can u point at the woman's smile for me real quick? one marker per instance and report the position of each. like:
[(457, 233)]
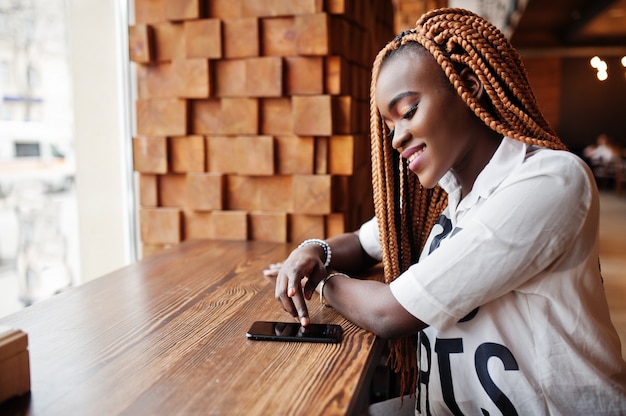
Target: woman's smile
[(413, 154)]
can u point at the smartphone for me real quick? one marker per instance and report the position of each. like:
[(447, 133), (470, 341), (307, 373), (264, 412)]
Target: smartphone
[(293, 331)]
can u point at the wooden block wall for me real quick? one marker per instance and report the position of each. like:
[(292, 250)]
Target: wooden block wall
[(252, 117)]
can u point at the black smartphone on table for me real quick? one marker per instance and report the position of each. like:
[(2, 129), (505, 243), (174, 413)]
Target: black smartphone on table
[(294, 332)]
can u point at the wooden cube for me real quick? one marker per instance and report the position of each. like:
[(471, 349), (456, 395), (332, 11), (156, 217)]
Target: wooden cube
[(362, 151), (172, 191), (149, 11), (148, 191), (150, 154), (305, 75), (230, 78), (255, 155), (169, 40), (241, 38), (197, 225), (193, 78), (278, 36), (242, 192), (259, 193), (224, 9), (335, 225), (321, 155), (140, 75), (160, 225), (337, 75), (141, 43), (264, 77), (160, 81), (162, 117), (203, 38), (295, 155), (303, 227), (344, 115), (14, 363), (182, 9), (341, 155), (268, 226), (312, 34), (312, 115), (275, 193), (187, 154), (206, 116), (205, 191), (244, 155), (229, 225), (280, 7), (240, 116), (336, 6), (312, 194), (276, 116), (221, 154)]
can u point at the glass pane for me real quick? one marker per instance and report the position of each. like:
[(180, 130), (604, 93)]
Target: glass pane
[(38, 215)]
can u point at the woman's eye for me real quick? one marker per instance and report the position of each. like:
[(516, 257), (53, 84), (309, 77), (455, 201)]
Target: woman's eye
[(410, 112)]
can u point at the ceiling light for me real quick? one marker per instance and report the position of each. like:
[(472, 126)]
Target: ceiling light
[(602, 66), (595, 61), (624, 61), (602, 75)]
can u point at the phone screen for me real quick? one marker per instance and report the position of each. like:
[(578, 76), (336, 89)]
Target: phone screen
[(293, 331)]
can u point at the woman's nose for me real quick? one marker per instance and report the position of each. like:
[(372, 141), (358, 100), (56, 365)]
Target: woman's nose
[(400, 135)]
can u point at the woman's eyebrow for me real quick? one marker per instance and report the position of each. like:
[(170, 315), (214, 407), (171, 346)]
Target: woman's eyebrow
[(397, 98)]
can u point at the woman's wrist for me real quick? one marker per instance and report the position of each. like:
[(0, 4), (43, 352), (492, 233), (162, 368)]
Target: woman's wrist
[(323, 283), (327, 251)]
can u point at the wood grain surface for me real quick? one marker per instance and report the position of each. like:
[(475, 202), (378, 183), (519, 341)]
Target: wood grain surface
[(167, 335)]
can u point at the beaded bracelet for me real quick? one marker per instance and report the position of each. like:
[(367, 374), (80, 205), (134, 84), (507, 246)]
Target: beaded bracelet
[(330, 276), (323, 244)]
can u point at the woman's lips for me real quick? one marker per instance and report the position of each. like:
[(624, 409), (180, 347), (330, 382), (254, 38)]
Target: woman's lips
[(413, 154)]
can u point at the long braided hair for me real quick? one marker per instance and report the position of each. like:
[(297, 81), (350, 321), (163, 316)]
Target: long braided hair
[(405, 210)]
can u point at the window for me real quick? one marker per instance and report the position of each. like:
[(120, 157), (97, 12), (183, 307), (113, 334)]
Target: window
[(27, 149)]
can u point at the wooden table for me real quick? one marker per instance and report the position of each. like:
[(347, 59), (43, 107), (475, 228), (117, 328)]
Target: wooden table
[(167, 335)]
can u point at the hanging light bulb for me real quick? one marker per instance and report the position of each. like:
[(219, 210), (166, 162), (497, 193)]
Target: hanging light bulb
[(602, 75), (624, 61), (602, 66)]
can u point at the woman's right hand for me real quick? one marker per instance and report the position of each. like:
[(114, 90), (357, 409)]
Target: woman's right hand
[(296, 280)]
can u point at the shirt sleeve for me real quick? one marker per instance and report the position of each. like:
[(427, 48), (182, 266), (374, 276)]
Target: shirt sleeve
[(370, 239), (515, 234)]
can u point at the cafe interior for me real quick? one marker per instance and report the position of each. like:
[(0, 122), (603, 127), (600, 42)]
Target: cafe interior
[(230, 171)]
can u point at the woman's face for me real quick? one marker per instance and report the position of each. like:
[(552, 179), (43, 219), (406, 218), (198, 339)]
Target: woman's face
[(430, 125)]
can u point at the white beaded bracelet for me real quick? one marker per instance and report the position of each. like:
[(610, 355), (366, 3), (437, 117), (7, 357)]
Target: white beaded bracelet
[(321, 243)]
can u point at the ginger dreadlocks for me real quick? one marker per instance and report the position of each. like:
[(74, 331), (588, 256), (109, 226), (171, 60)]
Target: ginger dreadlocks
[(405, 210)]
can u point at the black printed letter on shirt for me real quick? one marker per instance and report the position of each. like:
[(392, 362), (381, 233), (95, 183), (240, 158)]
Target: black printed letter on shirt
[(446, 224), (443, 348), (483, 353)]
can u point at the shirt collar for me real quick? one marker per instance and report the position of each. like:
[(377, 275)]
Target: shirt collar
[(509, 154)]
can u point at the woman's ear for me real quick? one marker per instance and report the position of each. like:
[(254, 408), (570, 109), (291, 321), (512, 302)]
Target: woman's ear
[(472, 83)]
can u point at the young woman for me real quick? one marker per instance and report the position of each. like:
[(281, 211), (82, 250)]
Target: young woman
[(488, 232)]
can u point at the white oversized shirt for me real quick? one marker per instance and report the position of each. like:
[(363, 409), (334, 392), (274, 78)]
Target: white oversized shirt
[(513, 296)]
